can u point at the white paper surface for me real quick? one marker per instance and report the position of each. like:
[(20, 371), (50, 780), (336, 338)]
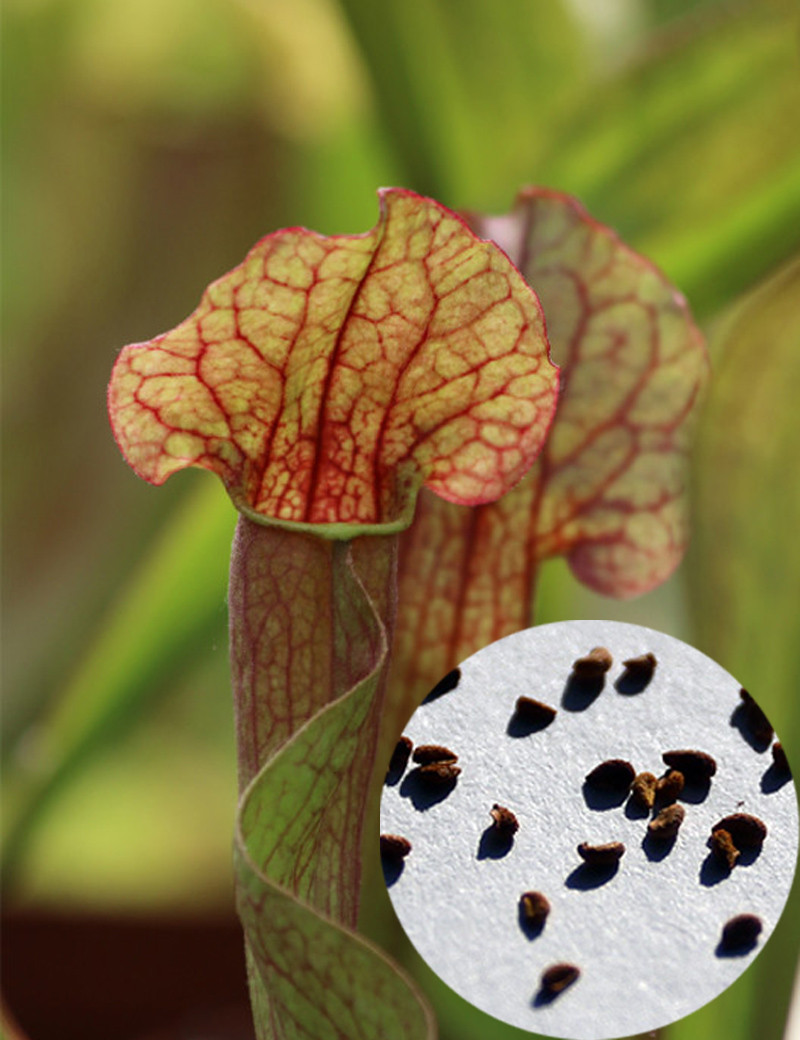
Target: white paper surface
[(646, 938)]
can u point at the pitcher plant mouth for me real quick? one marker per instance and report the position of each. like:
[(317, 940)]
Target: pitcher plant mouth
[(354, 394)]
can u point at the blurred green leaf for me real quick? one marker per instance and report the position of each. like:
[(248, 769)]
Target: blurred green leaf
[(170, 610), (745, 574)]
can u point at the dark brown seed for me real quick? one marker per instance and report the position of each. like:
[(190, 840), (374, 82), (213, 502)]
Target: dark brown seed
[(746, 831), (558, 977), (640, 668), (615, 775), (669, 787), (779, 757), (400, 756), (594, 664), (696, 766), (601, 855), (757, 722), (723, 848), (439, 774), (666, 825), (535, 908), (505, 822), (535, 712), (445, 685), (741, 931), (427, 753), (394, 847), (643, 790)]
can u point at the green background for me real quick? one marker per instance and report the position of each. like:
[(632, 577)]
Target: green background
[(147, 146)]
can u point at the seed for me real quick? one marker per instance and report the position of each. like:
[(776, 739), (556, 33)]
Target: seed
[(601, 855), (505, 822), (535, 908), (643, 790), (444, 685), (696, 766), (535, 712), (741, 931), (779, 757), (594, 664), (640, 668), (427, 753), (616, 775), (400, 756), (558, 977), (757, 722), (394, 847), (667, 824), (669, 787), (747, 832), (439, 774), (723, 848)]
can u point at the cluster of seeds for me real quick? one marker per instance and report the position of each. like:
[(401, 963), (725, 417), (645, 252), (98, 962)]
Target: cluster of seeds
[(647, 792)]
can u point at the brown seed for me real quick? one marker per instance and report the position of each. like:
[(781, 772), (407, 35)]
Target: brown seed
[(666, 825), (601, 855), (669, 787), (439, 774), (757, 722), (723, 848), (394, 847), (643, 790), (696, 766), (741, 931), (535, 712), (427, 753), (445, 685), (779, 757), (640, 668), (505, 822), (535, 908), (400, 756), (558, 977), (746, 831), (614, 775), (594, 664)]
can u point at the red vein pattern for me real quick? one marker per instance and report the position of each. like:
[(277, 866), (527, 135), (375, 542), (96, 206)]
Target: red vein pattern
[(608, 489), (325, 379)]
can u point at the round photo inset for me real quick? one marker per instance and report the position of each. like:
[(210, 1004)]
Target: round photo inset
[(588, 830)]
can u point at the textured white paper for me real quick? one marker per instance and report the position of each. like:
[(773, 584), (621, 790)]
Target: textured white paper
[(646, 938)]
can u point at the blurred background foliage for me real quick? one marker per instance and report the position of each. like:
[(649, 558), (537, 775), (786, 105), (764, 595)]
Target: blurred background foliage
[(147, 146)]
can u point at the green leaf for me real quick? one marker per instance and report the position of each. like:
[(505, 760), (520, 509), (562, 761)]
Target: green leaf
[(745, 572)]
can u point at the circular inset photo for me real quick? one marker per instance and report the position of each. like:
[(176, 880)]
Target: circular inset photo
[(589, 829)]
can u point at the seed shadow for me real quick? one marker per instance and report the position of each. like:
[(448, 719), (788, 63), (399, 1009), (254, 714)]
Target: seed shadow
[(602, 798), (630, 684), (579, 694), (392, 869), (736, 951), (423, 793), (741, 719), (774, 778), (494, 844), (695, 791), (444, 685), (520, 727), (530, 929), (586, 877), (634, 811), (545, 997), (713, 871), (657, 849)]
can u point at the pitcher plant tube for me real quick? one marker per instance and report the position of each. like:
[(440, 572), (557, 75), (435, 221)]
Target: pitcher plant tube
[(355, 394)]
